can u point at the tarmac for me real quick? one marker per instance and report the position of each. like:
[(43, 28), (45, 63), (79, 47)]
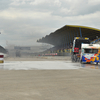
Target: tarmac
[(66, 84)]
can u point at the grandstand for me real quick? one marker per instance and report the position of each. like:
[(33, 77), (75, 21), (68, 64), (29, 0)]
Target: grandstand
[(3, 50), (62, 38)]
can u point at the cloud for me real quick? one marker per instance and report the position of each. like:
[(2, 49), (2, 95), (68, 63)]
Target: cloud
[(94, 2), (19, 2), (30, 20), (13, 13), (49, 2), (4, 4), (22, 31), (61, 8), (76, 8)]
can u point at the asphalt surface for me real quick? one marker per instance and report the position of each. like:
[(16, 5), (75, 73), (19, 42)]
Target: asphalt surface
[(64, 84)]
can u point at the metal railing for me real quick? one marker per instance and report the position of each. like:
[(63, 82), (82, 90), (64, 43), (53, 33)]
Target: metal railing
[(96, 40)]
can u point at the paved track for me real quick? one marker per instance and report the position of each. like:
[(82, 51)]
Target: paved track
[(70, 84)]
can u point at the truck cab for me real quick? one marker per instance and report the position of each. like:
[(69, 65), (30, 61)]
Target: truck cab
[(76, 49), (90, 53)]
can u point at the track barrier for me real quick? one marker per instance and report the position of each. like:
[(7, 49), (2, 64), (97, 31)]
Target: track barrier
[(1, 58)]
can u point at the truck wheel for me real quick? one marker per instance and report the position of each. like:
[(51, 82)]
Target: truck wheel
[(81, 61), (78, 59), (75, 59), (72, 58), (96, 63)]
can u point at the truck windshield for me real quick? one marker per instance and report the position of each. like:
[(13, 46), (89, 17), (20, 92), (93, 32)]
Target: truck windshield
[(90, 50), (78, 43)]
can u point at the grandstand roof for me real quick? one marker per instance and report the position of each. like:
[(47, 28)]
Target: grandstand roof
[(3, 50), (67, 33)]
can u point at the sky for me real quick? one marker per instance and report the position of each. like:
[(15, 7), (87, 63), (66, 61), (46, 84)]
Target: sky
[(23, 22)]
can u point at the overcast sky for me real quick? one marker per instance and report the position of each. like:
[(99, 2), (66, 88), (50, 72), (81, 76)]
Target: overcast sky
[(25, 21)]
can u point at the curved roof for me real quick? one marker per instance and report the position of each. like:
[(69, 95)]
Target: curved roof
[(67, 33), (77, 26)]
